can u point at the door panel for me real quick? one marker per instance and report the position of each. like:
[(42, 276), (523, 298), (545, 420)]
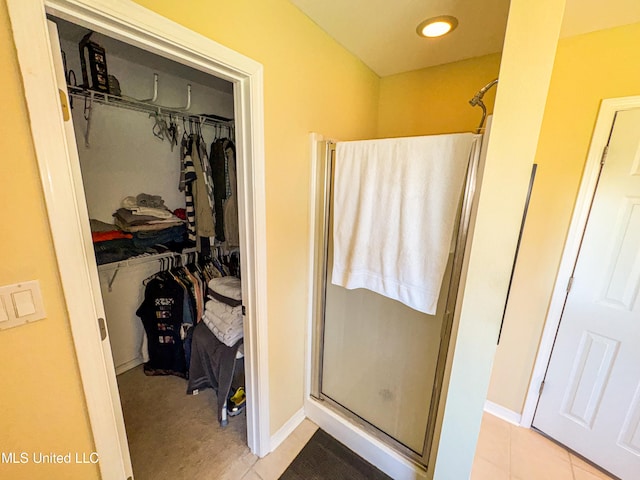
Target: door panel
[(588, 378), (591, 396)]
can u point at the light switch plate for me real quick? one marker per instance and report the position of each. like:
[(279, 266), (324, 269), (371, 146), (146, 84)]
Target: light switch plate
[(21, 303)]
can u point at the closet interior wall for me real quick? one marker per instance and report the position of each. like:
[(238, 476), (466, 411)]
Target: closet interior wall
[(124, 158)]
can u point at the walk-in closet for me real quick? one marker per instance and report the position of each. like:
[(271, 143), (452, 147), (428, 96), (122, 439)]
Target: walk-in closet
[(156, 146)]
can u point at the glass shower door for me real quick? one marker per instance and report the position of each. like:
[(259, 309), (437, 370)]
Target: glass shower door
[(379, 362)]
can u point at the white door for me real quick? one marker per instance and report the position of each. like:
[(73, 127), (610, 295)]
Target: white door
[(74, 163), (591, 396)]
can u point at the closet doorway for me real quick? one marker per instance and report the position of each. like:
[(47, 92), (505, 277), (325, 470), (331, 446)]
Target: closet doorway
[(69, 219)]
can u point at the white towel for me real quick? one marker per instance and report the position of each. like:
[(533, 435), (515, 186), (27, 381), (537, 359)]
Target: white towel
[(224, 315), (229, 339), (224, 321), (394, 209)]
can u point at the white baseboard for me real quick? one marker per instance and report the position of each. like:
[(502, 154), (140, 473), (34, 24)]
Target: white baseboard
[(128, 365), (365, 445), (502, 413), (286, 430)]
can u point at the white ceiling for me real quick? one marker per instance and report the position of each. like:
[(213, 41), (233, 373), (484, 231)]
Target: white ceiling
[(382, 33)]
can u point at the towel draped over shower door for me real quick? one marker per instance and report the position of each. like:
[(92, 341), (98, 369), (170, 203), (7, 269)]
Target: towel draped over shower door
[(395, 205)]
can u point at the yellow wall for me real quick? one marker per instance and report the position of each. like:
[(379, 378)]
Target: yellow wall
[(43, 408), (588, 68), (436, 99)]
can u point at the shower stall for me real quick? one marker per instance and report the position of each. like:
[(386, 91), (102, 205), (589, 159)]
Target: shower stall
[(377, 363)]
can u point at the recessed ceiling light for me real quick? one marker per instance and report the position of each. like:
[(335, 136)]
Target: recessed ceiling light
[(437, 26)]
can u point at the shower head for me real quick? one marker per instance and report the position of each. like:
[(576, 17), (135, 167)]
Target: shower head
[(477, 98), (477, 101)]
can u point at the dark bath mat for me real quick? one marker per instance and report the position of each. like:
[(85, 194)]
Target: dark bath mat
[(324, 458)]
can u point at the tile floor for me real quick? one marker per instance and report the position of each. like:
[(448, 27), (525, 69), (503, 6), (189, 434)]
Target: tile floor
[(504, 452), (508, 452), (250, 467)]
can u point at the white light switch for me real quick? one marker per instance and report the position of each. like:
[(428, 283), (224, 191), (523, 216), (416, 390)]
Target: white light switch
[(23, 303), (20, 303)]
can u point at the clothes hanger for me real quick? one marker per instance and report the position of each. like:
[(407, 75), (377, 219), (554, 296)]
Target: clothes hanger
[(159, 129), (172, 132)]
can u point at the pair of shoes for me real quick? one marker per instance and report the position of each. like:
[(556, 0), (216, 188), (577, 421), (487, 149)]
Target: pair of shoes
[(237, 402)]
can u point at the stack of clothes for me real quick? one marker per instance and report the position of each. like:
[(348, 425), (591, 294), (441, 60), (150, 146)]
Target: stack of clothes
[(112, 244), (143, 225), (151, 222), (223, 310)]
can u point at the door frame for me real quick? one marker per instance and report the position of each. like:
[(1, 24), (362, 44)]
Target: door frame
[(600, 138), (68, 217)]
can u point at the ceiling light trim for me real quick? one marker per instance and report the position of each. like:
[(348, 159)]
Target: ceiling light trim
[(441, 19)]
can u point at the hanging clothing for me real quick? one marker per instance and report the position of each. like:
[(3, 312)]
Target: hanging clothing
[(205, 222), (218, 170), (161, 313), (206, 168), (188, 177), (395, 203), (231, 228)]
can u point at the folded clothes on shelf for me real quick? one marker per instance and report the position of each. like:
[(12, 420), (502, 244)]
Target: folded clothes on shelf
[(223, 310)]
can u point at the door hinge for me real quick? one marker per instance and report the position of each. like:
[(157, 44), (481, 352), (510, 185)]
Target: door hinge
[(64, 105), (541, 388), (244, 310), (103, 328), (605, 152), (569, 284)]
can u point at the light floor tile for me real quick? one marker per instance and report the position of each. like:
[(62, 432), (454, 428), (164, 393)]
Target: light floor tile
[(274, 464), (240, 467), (580, 474), (494, 442), (251, 475), (531, 456), (529, 441), (305, 430), (485, 470), (578, 463), (538, 464)]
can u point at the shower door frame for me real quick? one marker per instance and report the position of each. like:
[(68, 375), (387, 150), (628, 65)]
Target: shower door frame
[(323, 188)]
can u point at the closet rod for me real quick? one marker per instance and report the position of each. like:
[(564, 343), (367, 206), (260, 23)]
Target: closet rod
[(129, 103), (139, 260)]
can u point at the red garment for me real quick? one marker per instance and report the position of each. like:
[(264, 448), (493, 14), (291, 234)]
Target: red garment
[(181, 213), (110, 235)]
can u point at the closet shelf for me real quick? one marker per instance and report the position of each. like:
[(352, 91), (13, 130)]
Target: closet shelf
[(144, 259), (130, 103)]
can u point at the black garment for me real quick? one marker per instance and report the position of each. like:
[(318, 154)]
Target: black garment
[(161, 314), (117, 250), (217, 160), (213, 365)]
